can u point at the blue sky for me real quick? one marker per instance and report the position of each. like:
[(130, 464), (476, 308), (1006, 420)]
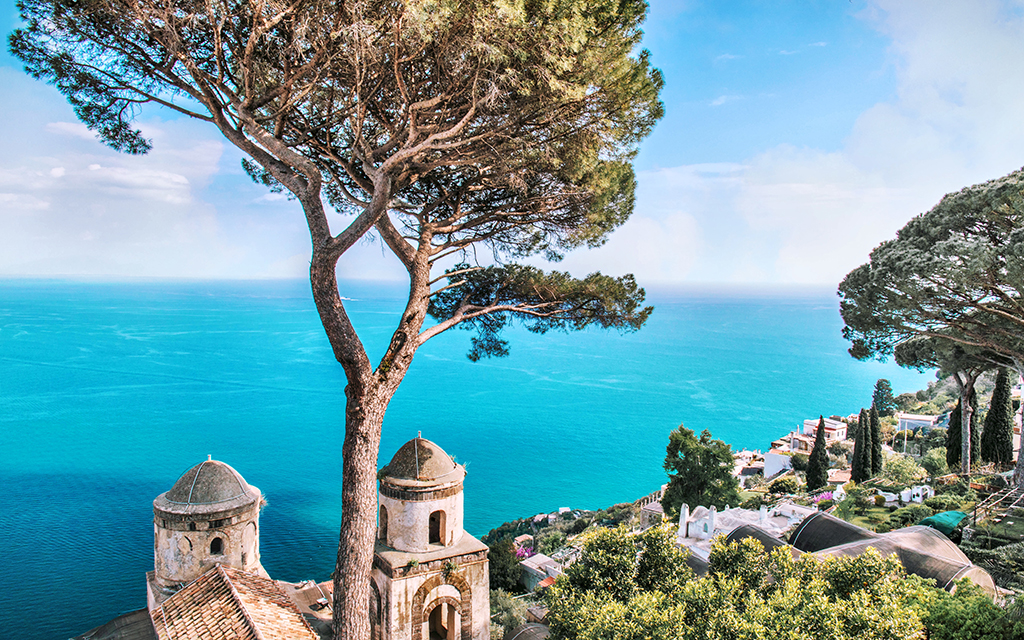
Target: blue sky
[(797, 136)]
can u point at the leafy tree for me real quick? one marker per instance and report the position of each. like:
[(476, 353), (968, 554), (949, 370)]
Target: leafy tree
[(876, 442), (955, 273), (965, 614), (954, 437), (934, 462), (817, 464), (749, 593), (661, 564), (861, 467), (997, 436), (699, 472), (505, 569), (902, 470), (964, 365), (784, 485), (799, 461), (507, 613), (882, 398), (442, 127)]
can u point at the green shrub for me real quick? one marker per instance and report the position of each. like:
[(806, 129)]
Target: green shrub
[(909, 515), (946, 502), (879, 501), (799, 461), (786, 484)]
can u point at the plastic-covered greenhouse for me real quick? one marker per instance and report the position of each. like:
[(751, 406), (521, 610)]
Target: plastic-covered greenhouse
[(921, 550)]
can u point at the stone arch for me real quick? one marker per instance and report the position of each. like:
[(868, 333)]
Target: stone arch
[(376, 612), (464, 605), (432, 606), (217, 546)]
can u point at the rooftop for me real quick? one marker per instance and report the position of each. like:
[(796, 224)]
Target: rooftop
[(209, 487), (420, 461), (229, 604)]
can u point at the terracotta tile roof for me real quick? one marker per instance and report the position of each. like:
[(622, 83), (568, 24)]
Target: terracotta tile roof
[(229, 604), (545, 583)]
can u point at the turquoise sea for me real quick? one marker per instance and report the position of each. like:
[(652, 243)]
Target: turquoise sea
[(109, 391)]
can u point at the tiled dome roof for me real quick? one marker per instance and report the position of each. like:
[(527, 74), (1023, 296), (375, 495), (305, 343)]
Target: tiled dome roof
[(421, 460), (209, 487)]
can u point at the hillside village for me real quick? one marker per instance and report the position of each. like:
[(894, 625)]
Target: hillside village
[(921, 517)]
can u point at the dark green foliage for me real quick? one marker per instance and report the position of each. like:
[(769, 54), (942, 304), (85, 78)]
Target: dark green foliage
[(945, 502), (507, 530), (954, 443), (785, 485), (965, 614), (882, 398), (540, 300), (817, 464), (799, 461), (699, 472), (1005, 564), (506, 612), (861, 466), (997, 436), (876, 442), (505, 569), (955, 271), (908, 516)]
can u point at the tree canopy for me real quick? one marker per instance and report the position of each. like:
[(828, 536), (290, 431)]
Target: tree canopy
[(699, 472), (860, 467), (882, 398), (439, 126), (955, 272)]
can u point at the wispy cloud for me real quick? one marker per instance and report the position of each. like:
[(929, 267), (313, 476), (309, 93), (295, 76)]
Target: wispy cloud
[(818, 44), (783, 52), (720, 100), (727, 56)]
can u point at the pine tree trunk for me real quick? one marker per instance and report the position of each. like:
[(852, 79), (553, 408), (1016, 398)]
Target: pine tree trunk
[(363, 419)]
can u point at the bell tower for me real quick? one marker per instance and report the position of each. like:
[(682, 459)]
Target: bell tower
[(210, 516), (430, 577)]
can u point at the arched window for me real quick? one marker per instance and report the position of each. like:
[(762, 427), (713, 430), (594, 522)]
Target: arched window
[(217, 546), (383, 523), (437, 528)]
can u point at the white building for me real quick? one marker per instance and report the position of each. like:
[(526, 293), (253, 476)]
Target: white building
[(430, 577)]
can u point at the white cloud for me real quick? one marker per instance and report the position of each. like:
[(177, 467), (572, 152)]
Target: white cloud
[(818, 44), (808, 215), (75, 129), (784, 52), (727, 56)]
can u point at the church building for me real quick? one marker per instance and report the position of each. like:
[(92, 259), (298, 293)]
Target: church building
[(429, 579)]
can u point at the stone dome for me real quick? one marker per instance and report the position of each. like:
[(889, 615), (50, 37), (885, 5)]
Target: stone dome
[(421, 462), (211, 487)]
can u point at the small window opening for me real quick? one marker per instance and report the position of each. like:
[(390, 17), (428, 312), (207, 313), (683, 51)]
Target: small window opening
[(436, 527), (217, 546), (383, 525), (191, 526)]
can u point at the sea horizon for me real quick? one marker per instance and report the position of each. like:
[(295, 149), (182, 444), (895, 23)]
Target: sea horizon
[(112, 389)]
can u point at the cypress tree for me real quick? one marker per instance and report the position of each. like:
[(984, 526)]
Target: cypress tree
[(861, 467), (876, 442), (954, 435), (997, 437), (953, 439), (817, 464)]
